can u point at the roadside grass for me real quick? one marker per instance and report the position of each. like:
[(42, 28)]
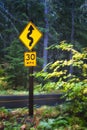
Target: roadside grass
[(13, 92), (45, 118)]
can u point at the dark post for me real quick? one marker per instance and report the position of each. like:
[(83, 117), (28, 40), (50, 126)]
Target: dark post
[(31, 91)]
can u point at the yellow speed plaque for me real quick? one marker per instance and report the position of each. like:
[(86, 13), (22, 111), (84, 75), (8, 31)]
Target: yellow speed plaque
[(30, 59)]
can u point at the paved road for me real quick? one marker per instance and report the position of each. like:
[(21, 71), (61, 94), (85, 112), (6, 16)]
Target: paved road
[(22, 101)]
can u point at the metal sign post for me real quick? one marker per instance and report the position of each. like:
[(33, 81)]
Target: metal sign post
[(30, 36), (31, 99)]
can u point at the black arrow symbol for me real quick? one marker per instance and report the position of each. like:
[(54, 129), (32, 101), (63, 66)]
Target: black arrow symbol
[(28, 35)]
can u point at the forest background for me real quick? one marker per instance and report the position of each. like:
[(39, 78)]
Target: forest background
[(58, 20), (61, 61)]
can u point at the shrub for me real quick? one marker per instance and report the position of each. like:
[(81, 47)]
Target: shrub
[(73, 85)]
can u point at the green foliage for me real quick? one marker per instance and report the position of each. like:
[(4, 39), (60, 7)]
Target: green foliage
[(15, 70), (2, 71), (53, 124), (3, 83), (74, 86), (45, 118)]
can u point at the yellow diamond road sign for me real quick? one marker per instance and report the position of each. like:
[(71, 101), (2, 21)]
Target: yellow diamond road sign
[(30, 36), (30, 59)]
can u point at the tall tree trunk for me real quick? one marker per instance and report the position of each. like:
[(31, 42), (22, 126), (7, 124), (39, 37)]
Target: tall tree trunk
[(46, 34), (72, 31)]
